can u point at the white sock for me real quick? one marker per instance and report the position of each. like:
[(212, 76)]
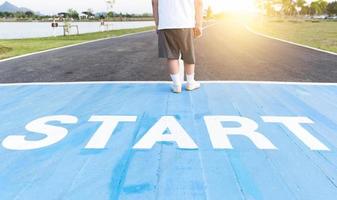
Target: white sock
[(176, 79), (190, 78)]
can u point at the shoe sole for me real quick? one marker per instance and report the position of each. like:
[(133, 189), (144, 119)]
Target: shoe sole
[(189, 89), (176, 92)]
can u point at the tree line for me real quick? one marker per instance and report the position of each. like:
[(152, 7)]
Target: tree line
[(297, 7), (71, 13), (28, 14)]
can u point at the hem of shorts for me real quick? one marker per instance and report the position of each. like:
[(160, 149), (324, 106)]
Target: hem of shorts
[(174, 27), (171, 58), (174, 58)]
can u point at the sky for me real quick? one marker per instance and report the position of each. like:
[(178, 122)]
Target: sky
[(130, 6), (55, 6)]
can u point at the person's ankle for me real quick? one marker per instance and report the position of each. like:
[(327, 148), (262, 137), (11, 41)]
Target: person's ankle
[(190, 78), (176, 79)]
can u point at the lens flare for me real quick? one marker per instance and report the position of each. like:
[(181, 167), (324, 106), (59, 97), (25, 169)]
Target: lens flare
[(232, 5)]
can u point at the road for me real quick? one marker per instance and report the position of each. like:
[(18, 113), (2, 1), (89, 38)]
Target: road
[(226, 52)]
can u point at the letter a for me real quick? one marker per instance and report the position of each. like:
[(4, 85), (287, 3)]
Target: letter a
[(157, 134)]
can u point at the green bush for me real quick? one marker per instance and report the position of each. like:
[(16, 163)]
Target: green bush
[(4, 49)]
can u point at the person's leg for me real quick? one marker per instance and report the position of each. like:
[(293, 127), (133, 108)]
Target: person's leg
[(191, 83), (189, 68), (187, 46), (169, 49), (173, 65)]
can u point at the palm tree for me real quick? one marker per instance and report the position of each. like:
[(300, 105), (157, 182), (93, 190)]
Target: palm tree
[(73, 13), (288, 7), (300, 5), (318, 7), (270, 11), (260, 4), (209, 12), (323, 5), (332, 8), (267, 6)]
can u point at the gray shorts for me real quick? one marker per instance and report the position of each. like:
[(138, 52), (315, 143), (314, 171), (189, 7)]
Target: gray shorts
[(173, 42)]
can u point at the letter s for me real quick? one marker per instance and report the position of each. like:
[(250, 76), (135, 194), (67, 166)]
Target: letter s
[(53, 133)]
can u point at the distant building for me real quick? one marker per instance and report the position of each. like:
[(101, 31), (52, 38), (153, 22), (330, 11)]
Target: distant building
[(83, 16)]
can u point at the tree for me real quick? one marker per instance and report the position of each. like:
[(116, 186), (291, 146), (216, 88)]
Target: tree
[(323, 5), (148, 15), (29, 14), (332, 8), (111, 14), (20, 15), (110, 4), (8, 15), (73, 14), (318, 7), (260, 4), (305, 10), (300, 4), (209, 12), (63, 14), (288, 7), (267, 6), (89, 13)]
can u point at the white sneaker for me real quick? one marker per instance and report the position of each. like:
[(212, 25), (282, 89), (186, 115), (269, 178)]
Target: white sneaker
[(176, 88), (192, 86)]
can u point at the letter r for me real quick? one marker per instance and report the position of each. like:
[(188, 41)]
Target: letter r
[(219, 134)]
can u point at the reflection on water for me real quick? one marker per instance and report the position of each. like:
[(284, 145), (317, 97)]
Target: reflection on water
[(14, 30)]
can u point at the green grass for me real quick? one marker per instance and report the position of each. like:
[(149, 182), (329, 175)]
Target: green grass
[(318, 34), (16, 47)]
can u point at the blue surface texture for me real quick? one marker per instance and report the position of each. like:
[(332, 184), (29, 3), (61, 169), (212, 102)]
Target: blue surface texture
[(68, 170)]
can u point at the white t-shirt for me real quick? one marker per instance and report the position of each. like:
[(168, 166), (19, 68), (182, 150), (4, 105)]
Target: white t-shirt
[(175, 14)]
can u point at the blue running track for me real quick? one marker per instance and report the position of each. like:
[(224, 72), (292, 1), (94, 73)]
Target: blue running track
[(69, 170)]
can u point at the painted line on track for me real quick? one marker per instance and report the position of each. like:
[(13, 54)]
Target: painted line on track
[(165, 82), (288, 42)]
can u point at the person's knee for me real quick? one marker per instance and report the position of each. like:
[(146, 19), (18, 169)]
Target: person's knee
[(172, 61)]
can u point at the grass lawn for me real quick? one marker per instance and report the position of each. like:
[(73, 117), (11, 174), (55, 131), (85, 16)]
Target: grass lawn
[(319, 34), (16, 47)]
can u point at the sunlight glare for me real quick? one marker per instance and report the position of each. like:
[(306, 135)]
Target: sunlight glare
[(232, 5)]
